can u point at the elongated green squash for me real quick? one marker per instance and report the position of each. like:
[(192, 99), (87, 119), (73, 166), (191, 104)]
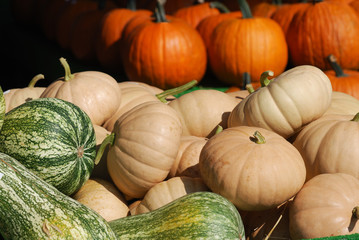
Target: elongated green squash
[(199, 215), (2, 108), (52, 137), (31, 209)]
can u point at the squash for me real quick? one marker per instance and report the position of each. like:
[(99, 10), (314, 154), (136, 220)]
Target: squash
[(200, 215), (53, 138), (343, 103), (201, 111), (256, 169), (167, 191), (325, 206), (286, 103), (30, 208), (143, 146), (17, 96), (318, 144), (97, 93), (2, 108), (103, 197)]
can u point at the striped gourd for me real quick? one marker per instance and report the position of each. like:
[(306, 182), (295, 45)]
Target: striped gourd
[(199, 215), (52, 137), (30, 209), (2, 108)]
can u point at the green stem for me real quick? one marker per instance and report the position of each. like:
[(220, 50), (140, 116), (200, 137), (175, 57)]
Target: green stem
[(356, 118), (109, 139), (264, 78), (218, 129), (160, 12), (245, 9), (68, 76), (220, 6), (131, 5), (336, 67), (35, 79), (173, 91), (355, 212), (258, 138)]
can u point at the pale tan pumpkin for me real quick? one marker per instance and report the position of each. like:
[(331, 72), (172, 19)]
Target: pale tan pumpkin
[(17, 96), (201, 111), (324, 207), (96, 93), (330, 144), (146, 142), (254, 171), (104, 198), (187, 160), (288, 102), (167, 191), (343, 103)]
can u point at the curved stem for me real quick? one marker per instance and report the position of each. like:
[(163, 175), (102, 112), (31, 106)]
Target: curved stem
[(218, 129), (258, 138), (355, 212), (356, 118), (109, 139), (160, 12), (245, 9), (173, 91), (220, 6), (264, 78), (336, 67), (35, 79), (68, 76)]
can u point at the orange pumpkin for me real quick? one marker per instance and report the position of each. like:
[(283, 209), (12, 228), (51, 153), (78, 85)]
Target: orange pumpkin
[(248, 44), (164, 53), (266, 9)]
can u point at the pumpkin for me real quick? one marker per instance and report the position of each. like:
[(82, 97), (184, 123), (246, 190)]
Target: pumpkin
[(343, 103), (318, 144), (145, 141), (174, 65), (293, 99), (255, 168), (103, 197), (169, 190), (201, 111), (325, 206), (17, 96), (199, 11), (110, 32), (335, 25), (343, 80), (355, 5), (187, 160), (266, 9), (95, 92), (248, 44)]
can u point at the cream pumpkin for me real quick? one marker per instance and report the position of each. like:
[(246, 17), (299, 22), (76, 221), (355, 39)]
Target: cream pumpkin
[(343, 103)]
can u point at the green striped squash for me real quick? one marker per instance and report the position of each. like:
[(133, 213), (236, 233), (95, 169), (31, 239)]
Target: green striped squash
[(2, 108), (199, 215), (52, 137), (30, 209)]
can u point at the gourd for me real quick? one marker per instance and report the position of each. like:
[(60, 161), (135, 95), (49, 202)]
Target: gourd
[(97, 93), (256, 169), (103, 197), (30, 208), (325, 206), (199, 215), (286, 103), (343, 103), (53, 138)]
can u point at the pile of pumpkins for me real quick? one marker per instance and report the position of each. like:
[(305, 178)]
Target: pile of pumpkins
[(197, 37), (285, 154)]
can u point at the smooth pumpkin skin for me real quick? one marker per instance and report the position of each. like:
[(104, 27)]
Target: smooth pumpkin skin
[(103, 197), (318, 144), (169, 190), (293, 99), (343, 103), (323, 207), (201, 111), (252, 176), (97, 93), (146, 143)]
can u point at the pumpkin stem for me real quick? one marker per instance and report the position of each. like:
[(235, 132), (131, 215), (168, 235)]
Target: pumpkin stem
[(68, 76), (160, 12), (356, 118), (173, 91), (245, 9), (336, 67), (264, 78), (247, 83), (277, 2), (131, 5), (35, 79), (355, 212), (109, 139), (218, 129), (258, 138), (220, 6)]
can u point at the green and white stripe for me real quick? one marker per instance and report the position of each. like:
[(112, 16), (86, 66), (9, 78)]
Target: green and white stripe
[(30, 208), (52, 137), (2, 108), (199, 215)]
